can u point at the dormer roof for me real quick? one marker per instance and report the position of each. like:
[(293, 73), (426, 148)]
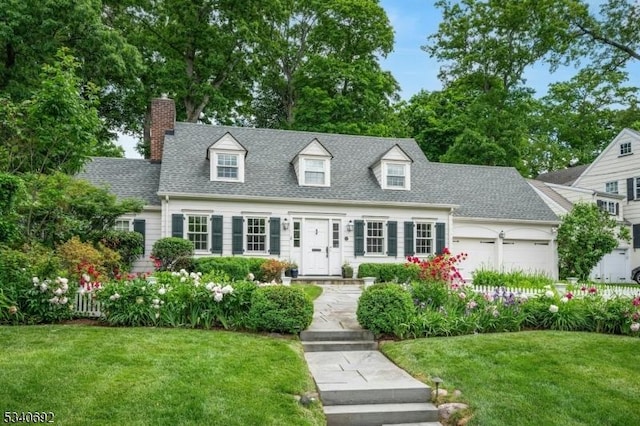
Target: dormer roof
[(226, 142)]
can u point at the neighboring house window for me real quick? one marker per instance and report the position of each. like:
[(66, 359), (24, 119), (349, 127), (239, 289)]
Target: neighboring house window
[(625, 148), (314, 172), (257, 234), (637, 187), (375, 237), (336, 234), (396, 175), (296, 234), (610, 207), (424, 238), (198, 232), (611, 187), (227, 166), (122, 225)]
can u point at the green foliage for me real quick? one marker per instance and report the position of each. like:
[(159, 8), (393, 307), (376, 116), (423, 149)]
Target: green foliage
[(432, 294), (385, 309), (129, 245), (57, 207), (585, 235), (272, 270), (513, 279), (9, 187), (389, 272), (167, 250), (280, 309), (81, 258), (238, 268)]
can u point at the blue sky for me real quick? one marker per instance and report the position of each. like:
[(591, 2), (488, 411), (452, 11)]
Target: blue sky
[(413, 21)]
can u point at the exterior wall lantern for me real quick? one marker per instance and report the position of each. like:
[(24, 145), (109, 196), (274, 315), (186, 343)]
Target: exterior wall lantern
[(350, 226), (501, 235), (285, 224)]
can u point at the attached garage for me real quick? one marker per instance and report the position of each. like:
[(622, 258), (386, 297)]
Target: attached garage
[(613, 268), (529, 256), (481, 254)]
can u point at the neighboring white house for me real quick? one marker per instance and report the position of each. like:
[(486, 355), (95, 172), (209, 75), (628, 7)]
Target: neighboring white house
[(321, 200), (613, 182)]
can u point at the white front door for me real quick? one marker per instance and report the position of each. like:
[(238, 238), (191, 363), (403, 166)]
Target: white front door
[(315, 242)]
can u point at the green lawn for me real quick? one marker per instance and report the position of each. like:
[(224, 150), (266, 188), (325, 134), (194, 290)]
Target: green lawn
[(312, 290), (139, 376), (533, 378)]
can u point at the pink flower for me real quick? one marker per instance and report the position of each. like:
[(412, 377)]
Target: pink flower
[(593, 290), (635, 327)]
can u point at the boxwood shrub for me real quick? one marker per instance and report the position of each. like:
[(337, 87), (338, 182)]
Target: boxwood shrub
[(389, 272), (237, 268), (280, 309), (168, 250), (386, 309)]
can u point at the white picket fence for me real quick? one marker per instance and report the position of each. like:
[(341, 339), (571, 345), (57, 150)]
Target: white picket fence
[(87, 306), (607, 292)]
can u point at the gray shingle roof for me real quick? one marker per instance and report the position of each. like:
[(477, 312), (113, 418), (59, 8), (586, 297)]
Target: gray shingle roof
[(486, 192), (125, 177), (563, 177)]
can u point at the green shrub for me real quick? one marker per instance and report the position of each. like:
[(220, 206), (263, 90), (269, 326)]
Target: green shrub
[(431, 294), (513, 279), (281, 309), (167, 250), (386, 309), (186, 263), (129, 245), (237, 268), (389, 272)]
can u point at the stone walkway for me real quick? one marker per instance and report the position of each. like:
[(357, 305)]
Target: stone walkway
[(357, 384)]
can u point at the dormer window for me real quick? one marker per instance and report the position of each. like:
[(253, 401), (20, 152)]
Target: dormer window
[(396, 175), (313, 165), (393, 169), (226, 156), (314, 172)]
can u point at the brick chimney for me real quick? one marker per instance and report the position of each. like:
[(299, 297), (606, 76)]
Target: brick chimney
[(163, 118)]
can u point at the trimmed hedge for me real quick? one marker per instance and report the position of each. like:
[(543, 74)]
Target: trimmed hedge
[(386, 309), (237, 268), (280, 309), (390, 272), (168, 250)]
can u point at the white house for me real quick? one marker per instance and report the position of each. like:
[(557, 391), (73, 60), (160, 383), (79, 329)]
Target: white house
[(321, 200), (613, 182)]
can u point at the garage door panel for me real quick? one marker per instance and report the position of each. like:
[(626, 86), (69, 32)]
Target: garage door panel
[(481, 254), (527, 256)]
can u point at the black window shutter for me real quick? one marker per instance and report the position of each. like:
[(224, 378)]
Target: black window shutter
[(392, 239), (636, 235), (408, 239), (216, 234), (630, 189), (358, 237), (440, 237), (617, 209), (237, 225), (177, 224), (139, 226), (274, 235)]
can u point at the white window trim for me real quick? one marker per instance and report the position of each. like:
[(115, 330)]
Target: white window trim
[(407, 175), (214, 165), (432, 238), (246, 236), (124, 219), (326, 163), (366, 238), (208, 233), (612, 183)]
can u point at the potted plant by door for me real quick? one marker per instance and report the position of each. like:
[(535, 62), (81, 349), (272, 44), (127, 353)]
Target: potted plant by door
[(347, 270), (293, 270)]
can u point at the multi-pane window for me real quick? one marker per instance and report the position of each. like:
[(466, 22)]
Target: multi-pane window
[(636, 182), (625, 148), (198, 232), (314, 172), (336, 234), (296, 233), (424, 238), (611, 187), (396, 175), (122, 225), (375, 237), (257, 234), (610, 207), (227, 166)]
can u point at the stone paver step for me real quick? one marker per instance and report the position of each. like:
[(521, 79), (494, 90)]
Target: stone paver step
[(333, 346), (378, 414), (336, 335), (350, 394), (415, 424)]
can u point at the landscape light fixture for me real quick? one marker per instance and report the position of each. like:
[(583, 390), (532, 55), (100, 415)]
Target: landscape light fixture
[(437, 380)]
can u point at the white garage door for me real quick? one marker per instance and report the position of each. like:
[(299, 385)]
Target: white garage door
[(613, 268), (481, 254), (527, 256)]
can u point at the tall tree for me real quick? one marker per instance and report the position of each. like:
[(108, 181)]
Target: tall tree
[(322, 70)]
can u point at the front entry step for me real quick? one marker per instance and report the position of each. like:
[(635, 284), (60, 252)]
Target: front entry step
[(334, 346), (336, 335), (378, 414)]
